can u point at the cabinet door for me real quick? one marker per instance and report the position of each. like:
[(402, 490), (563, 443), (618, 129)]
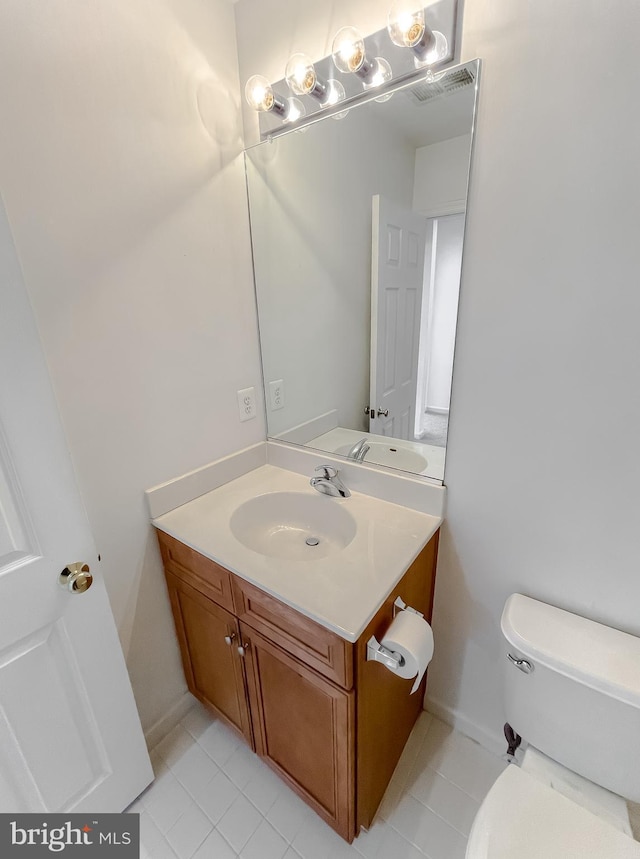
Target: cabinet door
[(213, 668), (304, 728)]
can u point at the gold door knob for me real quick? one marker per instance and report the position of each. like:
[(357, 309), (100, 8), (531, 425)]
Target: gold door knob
[(76, 578)]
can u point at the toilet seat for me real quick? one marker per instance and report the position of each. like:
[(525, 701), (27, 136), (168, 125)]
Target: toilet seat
[(524, 818)]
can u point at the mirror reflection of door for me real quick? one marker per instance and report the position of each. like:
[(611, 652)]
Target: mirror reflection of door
[(415, 279), (397, 273)]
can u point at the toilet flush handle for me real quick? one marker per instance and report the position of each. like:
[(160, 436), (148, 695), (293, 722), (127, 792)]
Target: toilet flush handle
[(522, 664)]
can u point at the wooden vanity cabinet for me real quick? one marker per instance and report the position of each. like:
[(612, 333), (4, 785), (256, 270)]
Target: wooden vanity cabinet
[(208, 635), (329, 722)]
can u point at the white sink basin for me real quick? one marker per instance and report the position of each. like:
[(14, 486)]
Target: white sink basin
[(293, 525), (391, 454)]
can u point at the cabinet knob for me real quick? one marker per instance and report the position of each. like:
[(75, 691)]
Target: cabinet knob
[(229, 638), (242, 648)]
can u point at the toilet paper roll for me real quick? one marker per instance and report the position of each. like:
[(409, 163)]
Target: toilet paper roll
[(410, 636)]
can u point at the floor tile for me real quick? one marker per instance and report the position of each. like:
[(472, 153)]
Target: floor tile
[(394, 846), (152, 840), (263, 788), (189, 832), (197, 720), (443, 797), (214, 799), (265, 843), (459, 759), (288, 815), (426, 831), (368, 843), (239, 823), (218, 797), (316, 840), (195, 770), (174, 745), (167, 804), (219, 742), (242, 766), (214, 847)]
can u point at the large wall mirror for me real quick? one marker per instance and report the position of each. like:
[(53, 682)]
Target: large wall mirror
[(357, 227)]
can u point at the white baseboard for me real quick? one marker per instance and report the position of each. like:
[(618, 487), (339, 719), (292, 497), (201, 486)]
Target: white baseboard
[(493, 742), (167, 723)]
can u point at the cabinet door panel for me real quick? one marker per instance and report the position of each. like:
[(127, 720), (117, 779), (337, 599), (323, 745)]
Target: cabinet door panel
[(307, 640), (214, 669), (304, 728), (193, 568)]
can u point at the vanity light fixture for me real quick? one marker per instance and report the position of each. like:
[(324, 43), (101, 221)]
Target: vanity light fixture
[(260, 95), (349, 56), (407, 28), (302, 79)]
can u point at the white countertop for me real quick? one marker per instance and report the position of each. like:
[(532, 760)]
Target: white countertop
[(342, 591)]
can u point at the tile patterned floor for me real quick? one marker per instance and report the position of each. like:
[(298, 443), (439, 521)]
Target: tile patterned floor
[(214, 799)]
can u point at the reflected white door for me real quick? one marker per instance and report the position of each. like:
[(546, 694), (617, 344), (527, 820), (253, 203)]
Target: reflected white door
[(70, 736), (397, 274)]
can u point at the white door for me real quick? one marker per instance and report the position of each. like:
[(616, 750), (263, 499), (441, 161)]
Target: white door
[(397, 274), (70, 736)]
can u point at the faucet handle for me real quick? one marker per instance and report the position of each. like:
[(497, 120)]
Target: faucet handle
[(328, 471)]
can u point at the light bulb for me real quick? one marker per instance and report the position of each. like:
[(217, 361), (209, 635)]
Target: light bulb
[(380, 76), (436, 51), (407, 28), (300, 74), (295, 110), (406, 24), (259, 93), (348, 50), (335, 93)]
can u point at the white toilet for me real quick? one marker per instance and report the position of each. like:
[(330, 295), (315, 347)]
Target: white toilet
[(572, 692)]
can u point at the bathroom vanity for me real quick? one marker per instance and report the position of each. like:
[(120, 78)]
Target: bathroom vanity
[(277, 646)]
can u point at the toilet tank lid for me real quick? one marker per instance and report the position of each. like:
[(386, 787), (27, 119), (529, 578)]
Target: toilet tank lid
[(603, 658)]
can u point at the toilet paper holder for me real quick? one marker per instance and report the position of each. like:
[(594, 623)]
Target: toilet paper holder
[(400, 605), (377, 653)]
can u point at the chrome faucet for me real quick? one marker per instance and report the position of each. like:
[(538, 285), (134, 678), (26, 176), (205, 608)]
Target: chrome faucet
[(359, 450), (329, 483)]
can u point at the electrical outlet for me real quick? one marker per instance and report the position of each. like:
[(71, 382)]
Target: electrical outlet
[(247, 404), (276, 395)]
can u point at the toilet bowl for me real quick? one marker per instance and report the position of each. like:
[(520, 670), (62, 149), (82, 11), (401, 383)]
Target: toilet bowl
[(572, 692)]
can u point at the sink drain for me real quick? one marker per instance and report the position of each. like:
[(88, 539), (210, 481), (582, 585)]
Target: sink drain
[(312, 541)]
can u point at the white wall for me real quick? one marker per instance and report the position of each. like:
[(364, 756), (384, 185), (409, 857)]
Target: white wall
[(120, 171), (542, 464), (441, 172)]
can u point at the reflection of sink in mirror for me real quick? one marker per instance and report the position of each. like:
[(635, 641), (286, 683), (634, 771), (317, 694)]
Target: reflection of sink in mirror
[(293, 525), (415, 457), (391, 454)]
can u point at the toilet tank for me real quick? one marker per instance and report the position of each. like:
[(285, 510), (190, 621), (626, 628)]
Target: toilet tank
[(580, 704)]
